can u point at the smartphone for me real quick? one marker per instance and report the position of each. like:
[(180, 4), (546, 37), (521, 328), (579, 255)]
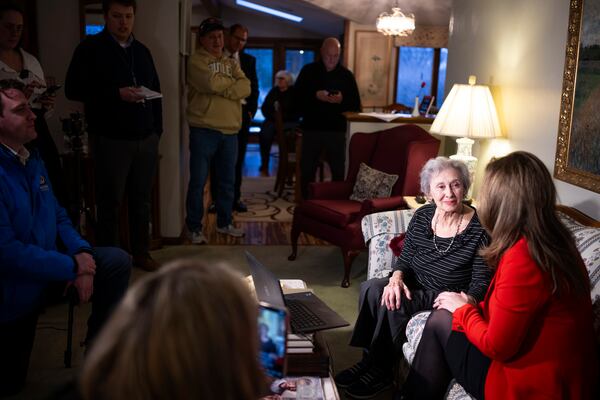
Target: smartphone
[(273, 323)]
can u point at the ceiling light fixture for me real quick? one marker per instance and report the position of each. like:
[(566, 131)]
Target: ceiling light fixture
[(396, 23), (268, 10)]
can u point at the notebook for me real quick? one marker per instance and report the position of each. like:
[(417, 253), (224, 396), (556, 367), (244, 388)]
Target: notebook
[(308, 313)]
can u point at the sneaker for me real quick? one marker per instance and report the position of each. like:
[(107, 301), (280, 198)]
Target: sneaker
[(371, 383), (212, 208), (231, 231), (350, 375), (198, 238)]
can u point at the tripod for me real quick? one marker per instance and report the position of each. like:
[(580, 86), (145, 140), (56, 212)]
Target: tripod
[(74, 128)]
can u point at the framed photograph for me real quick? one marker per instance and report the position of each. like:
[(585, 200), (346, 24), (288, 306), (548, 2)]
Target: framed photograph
[(372, 66), (578, 145)]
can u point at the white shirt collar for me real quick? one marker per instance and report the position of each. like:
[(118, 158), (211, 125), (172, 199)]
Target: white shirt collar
[(22, 155)]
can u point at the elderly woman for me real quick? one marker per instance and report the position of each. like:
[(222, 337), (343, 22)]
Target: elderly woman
[(440, 253), (282, 96), (532, 336)]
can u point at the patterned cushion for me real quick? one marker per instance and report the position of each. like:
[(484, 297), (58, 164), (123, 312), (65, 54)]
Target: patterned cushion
[(378, 229), (588, 243), (372, 184)]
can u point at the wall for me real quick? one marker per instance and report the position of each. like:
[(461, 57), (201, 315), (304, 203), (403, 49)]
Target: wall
[(423, 36), (157, 26), (518, 48)]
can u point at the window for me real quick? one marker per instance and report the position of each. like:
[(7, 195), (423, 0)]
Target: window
[(296, 59), (274, 54), (264, 71), (418, 65)]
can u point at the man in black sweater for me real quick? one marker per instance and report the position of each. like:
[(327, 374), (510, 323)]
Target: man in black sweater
[(325, 90), (107, 73)]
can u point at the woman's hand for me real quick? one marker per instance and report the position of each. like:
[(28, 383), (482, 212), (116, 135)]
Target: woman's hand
[(47, 101), (392, 293), (451, 301)]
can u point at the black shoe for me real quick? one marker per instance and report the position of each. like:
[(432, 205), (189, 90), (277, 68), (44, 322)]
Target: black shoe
[(351, 375), (240, 207), (212, 208), (371, 383)]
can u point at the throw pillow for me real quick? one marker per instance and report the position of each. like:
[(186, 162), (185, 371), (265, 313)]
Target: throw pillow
[(372, 184)]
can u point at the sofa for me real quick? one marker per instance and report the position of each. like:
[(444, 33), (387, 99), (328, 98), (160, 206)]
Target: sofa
[(380, 228)]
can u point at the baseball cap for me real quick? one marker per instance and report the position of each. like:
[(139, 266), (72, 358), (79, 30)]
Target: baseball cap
[(210, 24)]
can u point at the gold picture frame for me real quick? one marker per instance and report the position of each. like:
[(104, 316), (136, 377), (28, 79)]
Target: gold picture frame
[(578, 144), (372, 59)]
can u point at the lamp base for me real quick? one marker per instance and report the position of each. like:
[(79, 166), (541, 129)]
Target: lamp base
[(464, 154)]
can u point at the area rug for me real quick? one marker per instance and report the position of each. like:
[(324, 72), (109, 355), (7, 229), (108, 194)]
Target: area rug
[(264, 205), (320, 266)]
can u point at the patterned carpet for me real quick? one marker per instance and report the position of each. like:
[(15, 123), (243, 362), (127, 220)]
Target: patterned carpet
[(263, 203)]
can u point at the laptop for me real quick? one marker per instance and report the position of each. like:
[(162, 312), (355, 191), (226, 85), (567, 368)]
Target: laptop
[(308, 313)]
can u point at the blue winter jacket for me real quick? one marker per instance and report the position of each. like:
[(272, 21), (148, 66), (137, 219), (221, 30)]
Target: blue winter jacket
[(30, 223)]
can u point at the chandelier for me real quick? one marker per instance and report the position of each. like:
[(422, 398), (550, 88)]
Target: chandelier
[(396, 23)]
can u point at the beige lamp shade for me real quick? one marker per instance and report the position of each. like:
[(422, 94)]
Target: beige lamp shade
[(468, 111)]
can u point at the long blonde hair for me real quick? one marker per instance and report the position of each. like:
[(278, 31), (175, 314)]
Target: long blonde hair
[(188, 331), (517, 200)]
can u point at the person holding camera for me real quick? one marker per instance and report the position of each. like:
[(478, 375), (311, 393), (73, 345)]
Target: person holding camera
[(107, 73), (16, 63), (31, 224), (325, 90)]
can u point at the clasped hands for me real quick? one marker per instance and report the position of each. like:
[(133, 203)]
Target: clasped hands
[(330, 97), (396, 288), (84, 281)]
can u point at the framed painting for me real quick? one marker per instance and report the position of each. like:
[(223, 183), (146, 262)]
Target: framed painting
[(578, 145), (372, 67)]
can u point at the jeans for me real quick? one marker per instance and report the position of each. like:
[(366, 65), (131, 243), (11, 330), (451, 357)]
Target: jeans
[(206, 145)]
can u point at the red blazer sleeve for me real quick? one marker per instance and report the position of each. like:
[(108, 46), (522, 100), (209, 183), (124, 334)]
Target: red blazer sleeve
[(510, 309)]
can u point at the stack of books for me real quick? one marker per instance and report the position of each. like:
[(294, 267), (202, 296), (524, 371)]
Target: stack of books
[(310, 358)]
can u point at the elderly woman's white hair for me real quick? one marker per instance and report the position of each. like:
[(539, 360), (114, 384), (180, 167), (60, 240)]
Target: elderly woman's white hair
[(287, 75), (436, 165)]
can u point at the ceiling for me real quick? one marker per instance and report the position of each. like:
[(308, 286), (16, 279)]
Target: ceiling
[(318, 14)]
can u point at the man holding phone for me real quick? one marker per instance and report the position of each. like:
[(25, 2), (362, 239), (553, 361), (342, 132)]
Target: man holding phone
[(106, 74), (326, 90)]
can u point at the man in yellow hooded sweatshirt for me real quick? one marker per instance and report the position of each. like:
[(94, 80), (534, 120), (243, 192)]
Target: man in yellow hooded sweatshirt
[(216, 87)]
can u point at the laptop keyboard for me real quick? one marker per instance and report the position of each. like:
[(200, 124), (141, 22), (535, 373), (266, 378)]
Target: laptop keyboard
[(301, 317)]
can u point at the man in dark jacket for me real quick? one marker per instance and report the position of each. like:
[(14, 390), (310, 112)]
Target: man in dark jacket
[(31, 224), (108, 73), (235, 41), (325, 90)]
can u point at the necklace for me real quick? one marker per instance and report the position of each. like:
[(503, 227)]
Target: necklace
[(453, 237)]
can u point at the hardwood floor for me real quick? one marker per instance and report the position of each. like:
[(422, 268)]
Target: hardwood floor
[(257, 233)]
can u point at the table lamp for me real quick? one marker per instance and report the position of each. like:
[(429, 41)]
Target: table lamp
[(468, 112)]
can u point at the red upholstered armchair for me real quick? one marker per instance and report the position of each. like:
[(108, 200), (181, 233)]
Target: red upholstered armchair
[(330, 215)]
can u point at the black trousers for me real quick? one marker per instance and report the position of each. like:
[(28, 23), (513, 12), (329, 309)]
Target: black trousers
[(239, 163), (124, 167), (113, 269), (313, 145), (379, 330)]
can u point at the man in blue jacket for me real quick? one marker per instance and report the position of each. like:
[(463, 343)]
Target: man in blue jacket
[(31, 224)]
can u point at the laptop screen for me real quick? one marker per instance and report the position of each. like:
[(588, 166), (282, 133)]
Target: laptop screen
[(266, 284)]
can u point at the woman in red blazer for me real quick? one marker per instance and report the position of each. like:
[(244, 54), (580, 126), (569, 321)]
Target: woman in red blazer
[(532, 336)]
